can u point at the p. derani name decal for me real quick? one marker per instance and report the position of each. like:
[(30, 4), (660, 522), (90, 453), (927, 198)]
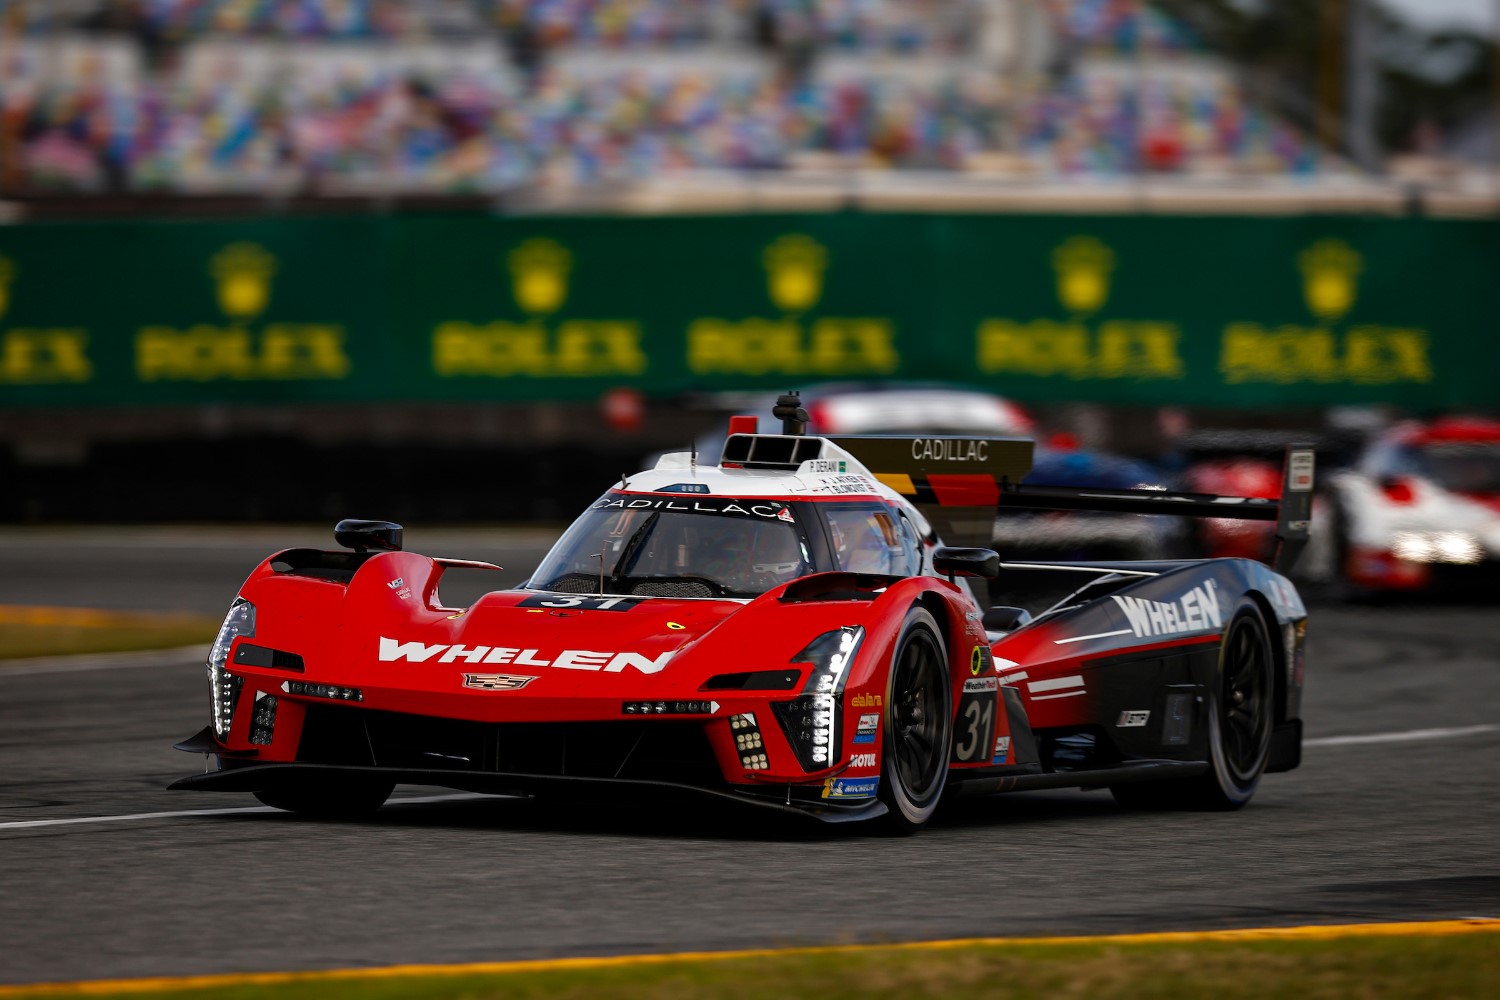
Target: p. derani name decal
[(1194, 611), (394, 651)]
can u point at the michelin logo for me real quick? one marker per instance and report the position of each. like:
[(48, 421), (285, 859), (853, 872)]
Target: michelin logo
[(395, 651), (850, 788), (1194, 611)]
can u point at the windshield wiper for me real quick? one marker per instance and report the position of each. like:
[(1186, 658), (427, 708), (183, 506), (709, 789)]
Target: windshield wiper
[(632, 544)]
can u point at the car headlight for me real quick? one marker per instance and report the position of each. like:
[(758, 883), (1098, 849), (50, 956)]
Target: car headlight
[(1437, 547), (223, 688), (811, 721)]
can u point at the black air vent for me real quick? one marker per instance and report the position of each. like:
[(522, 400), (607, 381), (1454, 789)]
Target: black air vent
[(336, 566), (641, 749), (263, 656), (770, 451)]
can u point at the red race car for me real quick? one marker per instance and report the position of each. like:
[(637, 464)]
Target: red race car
[(784, 630)]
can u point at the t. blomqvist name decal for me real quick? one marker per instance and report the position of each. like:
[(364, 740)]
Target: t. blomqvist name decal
[(1194, 611)]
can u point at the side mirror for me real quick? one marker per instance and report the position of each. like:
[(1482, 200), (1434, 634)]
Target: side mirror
[(966, 562), (358, 535), (1004, 619)]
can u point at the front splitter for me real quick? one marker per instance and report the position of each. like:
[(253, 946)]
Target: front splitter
[(266, 777)]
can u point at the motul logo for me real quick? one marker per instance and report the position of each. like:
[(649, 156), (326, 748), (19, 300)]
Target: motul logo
[(393, 651)]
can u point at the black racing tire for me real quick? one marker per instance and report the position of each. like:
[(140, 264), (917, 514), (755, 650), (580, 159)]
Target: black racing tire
[(918, 725), (329, 799), (1241, 714)]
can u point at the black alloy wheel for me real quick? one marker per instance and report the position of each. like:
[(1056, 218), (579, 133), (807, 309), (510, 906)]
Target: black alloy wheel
[(918, 724), (1241, 714), (1245, 709)]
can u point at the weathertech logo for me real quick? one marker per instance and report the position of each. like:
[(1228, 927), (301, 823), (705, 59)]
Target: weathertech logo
[(1194, 611), (395, 651), (497, 682)]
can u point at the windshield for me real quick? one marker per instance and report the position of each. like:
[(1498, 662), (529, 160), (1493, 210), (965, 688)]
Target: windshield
[(1464, 467), (687, 547)]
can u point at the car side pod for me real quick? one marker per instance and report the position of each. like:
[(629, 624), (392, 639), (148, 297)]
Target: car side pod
[(362, 536), (953, 562)]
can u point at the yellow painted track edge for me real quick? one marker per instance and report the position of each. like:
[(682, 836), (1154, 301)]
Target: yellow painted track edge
[(1313, 932)]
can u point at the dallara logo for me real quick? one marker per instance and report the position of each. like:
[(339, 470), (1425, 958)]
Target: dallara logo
[(1083, 265), (242, 278), (1330, 269), (539, 275), (794, 272)]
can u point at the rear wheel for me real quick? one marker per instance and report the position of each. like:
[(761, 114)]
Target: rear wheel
[(1241, 715), (330, 799), (918, 724)]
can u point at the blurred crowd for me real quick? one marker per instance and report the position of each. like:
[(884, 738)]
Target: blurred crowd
[(308, 96)]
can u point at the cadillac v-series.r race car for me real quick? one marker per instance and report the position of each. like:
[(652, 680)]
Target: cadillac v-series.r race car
[(783, 629)]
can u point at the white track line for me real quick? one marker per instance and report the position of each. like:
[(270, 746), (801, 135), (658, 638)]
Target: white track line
[(1402, 737), (28, 824), (104, 661)]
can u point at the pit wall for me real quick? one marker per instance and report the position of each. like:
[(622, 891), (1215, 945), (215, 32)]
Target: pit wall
[(1194, 311)]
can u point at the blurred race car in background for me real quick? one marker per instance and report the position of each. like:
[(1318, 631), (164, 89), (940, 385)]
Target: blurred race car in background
[(1419, 508), (880, 408), (911, 408), (1020, 535), (1242, 463)]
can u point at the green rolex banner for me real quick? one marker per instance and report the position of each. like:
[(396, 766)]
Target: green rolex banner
[(1234, 312)]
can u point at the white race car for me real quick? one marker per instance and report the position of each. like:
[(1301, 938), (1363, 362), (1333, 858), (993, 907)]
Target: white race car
[(1419, 509)]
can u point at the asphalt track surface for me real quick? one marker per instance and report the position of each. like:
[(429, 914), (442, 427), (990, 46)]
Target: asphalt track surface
[(1392, 817)]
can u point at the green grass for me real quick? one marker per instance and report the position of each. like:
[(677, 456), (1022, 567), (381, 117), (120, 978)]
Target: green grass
[(1407, 967), (26, 632)]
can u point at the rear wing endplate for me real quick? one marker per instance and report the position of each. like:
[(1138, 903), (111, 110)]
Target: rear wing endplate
[(1294, 519)]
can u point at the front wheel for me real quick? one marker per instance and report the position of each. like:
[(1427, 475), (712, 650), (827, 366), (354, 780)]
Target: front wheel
[(918, 724), (1241, 715), (329, 799)]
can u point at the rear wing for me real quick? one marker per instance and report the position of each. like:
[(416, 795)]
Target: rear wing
[(960, 482)]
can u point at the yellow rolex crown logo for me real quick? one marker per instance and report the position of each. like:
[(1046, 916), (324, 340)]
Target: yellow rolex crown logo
[(242, 273), (7, 272), (794, 272), (1330, 269), (539, 275), (1083, 265)]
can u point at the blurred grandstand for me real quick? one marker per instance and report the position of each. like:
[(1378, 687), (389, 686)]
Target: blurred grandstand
[(667, 102)]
